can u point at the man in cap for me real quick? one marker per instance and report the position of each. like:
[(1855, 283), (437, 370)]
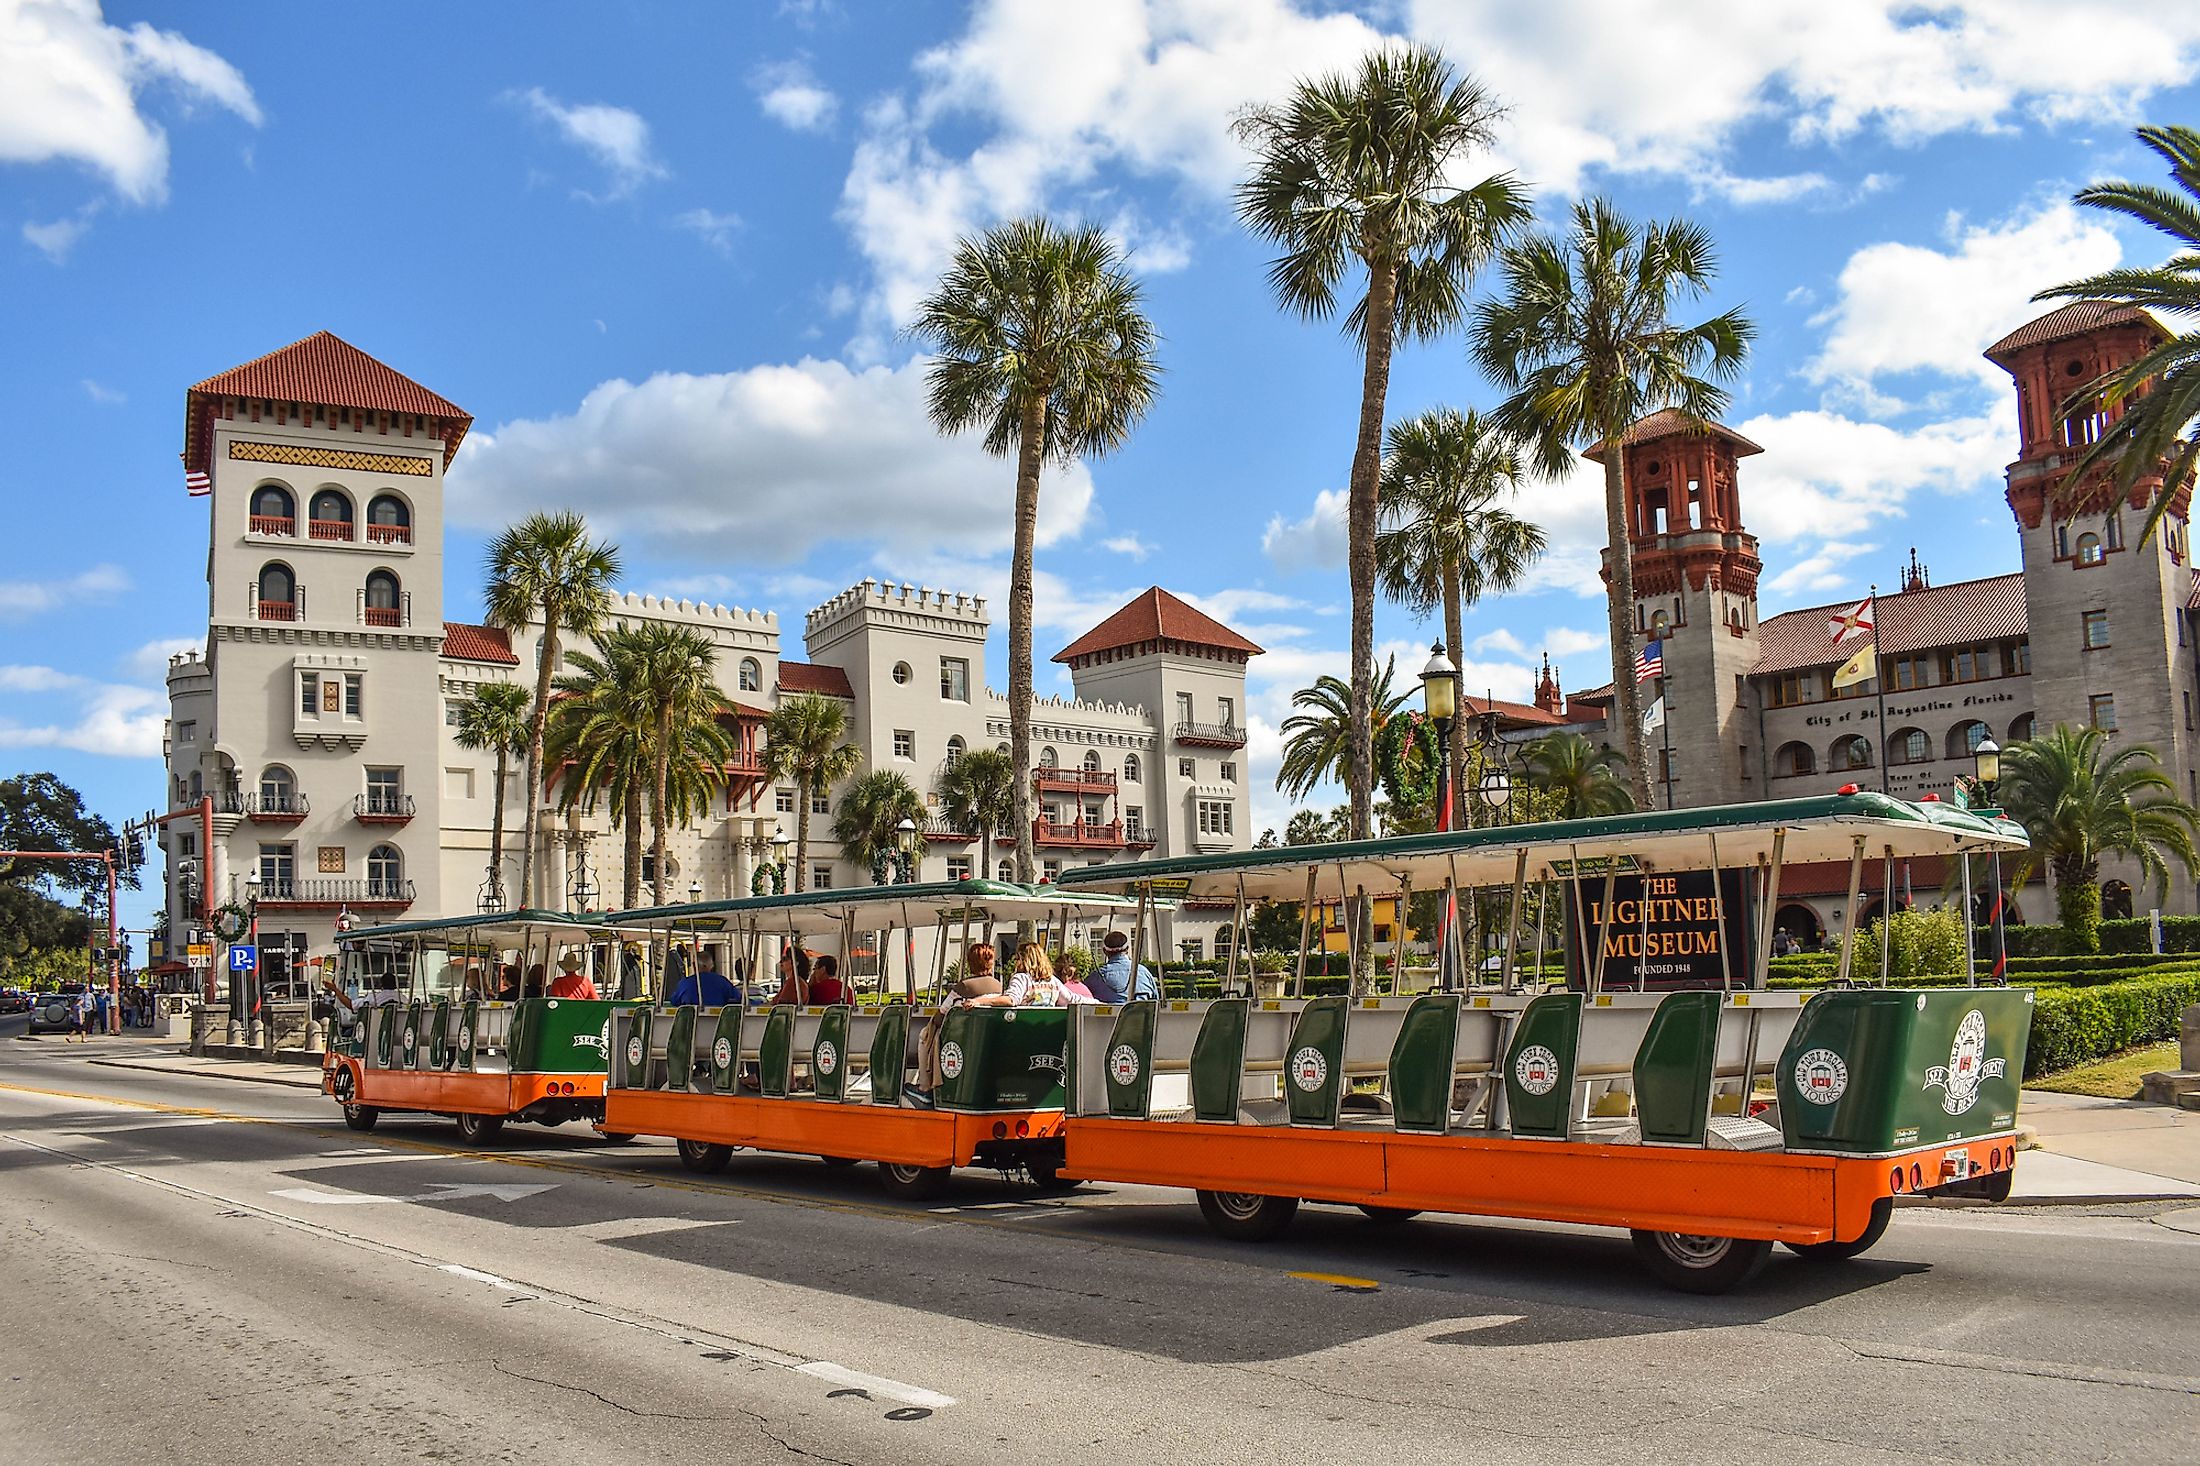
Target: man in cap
[(1115, 980)]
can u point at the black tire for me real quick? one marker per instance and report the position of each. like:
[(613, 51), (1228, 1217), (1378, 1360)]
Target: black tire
[(1244, 1217), (343, 1085), (620, 1137), (1695, 1264), (361, 1117), (1046, 1174), (1389, 1216), (479, 1129), (913, 1183), (1882, 1210), (704, 1158), (840, 1160)]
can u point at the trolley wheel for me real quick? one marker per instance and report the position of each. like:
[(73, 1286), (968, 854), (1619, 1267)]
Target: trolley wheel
[(1882, 1209), (839, 1160), (1389, 1216), (1244, 1217), (703, 1157), (344, 1085), (1695, 1264), (1046, 1174), (479, 1129), (361, 1117), (620, 1137), (912, 1183)]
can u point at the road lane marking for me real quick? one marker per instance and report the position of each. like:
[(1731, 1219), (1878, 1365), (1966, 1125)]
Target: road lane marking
[(1340, 1280), (619, 1229), (892, 1389), (441, 1191)]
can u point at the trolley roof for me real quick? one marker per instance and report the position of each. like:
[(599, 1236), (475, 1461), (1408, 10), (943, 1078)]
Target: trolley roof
[(491, 926), (976, 900), (1821, 828)]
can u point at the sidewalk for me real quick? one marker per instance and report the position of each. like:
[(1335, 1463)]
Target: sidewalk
[(2106, 1150), (167, 1060)]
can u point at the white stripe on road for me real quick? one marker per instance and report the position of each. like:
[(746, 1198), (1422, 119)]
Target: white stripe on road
[(892, 1389)]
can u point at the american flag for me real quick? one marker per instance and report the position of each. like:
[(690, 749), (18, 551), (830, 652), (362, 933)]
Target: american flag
[(198, 483), (1650, 661)]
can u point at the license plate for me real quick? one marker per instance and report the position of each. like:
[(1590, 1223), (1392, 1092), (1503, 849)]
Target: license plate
[(1955, 1166)]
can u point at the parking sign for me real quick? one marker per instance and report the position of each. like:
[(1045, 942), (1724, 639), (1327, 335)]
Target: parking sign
[(244, 959)]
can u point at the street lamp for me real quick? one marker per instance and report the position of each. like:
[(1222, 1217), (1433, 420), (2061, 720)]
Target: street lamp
[(780, 842), (582, 887), (695, 890), (1986, 769), (249, 999), (905, 849), (1440, 699)]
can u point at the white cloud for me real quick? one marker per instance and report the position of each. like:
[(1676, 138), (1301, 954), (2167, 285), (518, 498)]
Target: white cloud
[(715, 230), (761, 465), (616, 137), (1127, 544), (1554, 641), (1819, 571), (57, 237), (791, 96), (1910, 308), (106, 718), (1316, 542), (70, 85), (1826, 477), (102, 393), (150, 661), (22, 598)]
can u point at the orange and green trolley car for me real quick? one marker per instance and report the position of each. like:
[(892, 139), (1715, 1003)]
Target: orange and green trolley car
[(1660, 1087), (441, 1048), (890, 1079)]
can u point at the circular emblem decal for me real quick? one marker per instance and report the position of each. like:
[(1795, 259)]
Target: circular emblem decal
[(1123, 1064), (828, 1058), (951, 1059), (1968, 1067), (412, 1041), (1821, 1077), (721, 1053), (1309, 1069), (634, 1052), (1536, 1069), (466, 1040)]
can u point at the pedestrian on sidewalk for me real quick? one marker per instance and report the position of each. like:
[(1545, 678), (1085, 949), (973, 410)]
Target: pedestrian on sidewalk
[(80, 1008)]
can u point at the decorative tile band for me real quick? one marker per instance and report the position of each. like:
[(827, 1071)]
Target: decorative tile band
[(301, 456)]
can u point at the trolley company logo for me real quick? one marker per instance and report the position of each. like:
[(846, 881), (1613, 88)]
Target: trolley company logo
[(721, 1053), (599, 1041), (1968, 1067), (1536, 1069), (634, 1052), (828, 1058), (1821, 1076), (412, 1041), (951, 1059), (466, 1040), (1123, 1064), (1309, 1069)]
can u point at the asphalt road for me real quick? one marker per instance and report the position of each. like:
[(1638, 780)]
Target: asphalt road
[(207, 1271)]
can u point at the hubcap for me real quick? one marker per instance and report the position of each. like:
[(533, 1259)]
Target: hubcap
[(905, 1173), (1241, 1204), (1692, 1251)]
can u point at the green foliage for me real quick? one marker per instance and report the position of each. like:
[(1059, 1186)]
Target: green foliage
[(2133, 934), (868, 818), (1583, 779), (40, 812), (1082, 961), (1274, 926), (43, 968), (1923, 941), (978, 791), (1317, 739), (2043, 940), (805, 743), (2080, 1024)]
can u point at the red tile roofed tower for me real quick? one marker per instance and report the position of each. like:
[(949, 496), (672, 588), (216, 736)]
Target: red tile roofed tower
[(1696, 566), (1547, 695)]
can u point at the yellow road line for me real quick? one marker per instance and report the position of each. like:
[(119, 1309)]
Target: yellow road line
[(1340, 1280)]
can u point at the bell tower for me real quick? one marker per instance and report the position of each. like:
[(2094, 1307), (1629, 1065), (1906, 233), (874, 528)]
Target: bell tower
[(1695, 575)]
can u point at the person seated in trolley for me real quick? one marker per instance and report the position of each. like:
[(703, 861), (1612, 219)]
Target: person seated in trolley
[(977, 982), (705, 987), (383, 991), (1032, 984), (570, 982), (806, 981), (1073, 986)]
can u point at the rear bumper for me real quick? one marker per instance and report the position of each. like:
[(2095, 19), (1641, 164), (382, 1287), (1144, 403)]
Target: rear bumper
[(826, 1128), (453, 1092)]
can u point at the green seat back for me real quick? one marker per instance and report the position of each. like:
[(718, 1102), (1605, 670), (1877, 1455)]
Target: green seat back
[(1421, 1060)]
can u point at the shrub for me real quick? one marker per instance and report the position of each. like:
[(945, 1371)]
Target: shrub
[(2025, 941), (1923, 940), (2077, 1025), (2133, 934)]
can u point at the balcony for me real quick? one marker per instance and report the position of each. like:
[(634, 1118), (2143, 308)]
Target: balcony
[(260, 608), (282, 526), (274, 809), (1074, 780), (389, 534), (1140, 837), (1210, 735), (746, 763), (378, 808), (329, 529), (370, 894), (399, 615), (1051, 834), (943, 831)]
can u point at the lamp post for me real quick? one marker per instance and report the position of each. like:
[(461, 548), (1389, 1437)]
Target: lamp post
[(1440, 699), (1986, 768), (252, 987), (695, 891), (580, 888), (1661, 626), (780, 842), (905, 851)]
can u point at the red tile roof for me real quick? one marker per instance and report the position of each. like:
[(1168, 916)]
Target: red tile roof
[(327, 371), (1671, 422), (2074, 319), (1510, 714), (1962, 614), (1155, 615), (467, 643), (798, 677)]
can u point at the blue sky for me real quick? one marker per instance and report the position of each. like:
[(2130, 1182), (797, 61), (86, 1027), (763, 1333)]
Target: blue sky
[(663, 253)]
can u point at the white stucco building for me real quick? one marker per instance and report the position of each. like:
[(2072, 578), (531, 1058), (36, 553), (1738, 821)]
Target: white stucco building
[(318, 724)]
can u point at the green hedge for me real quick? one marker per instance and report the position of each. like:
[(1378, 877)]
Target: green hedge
[(2078, 1025), (2133, 934), (2126, 963)]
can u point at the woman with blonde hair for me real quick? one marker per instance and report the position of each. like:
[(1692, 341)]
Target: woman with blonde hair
[(1032, 984)]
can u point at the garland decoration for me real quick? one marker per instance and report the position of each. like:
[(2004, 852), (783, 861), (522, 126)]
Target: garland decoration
[(769, 880), (230, 921), (1408, 759)]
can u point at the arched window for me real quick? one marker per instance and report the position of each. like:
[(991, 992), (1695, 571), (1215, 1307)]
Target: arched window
[(1852, 752), (198, 786), (2116, 904), (277, 790), (273, 511), (389, 520), (385, 601), (955, 750), (2089, 549), (2020, 728), (1964, 738), (1909, 746), (1130, 768), (275, 596), (330, 515), (1006, 871), (1092, 760), (385, 872), (1223, 938), (1048, 758), (1795, 758), (752, 675)]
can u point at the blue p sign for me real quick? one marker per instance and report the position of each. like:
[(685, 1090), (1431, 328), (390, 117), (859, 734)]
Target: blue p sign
[(244, 959)]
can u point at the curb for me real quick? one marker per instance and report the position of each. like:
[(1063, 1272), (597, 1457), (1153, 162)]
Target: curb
[(2113, 1198), (315, 1086)]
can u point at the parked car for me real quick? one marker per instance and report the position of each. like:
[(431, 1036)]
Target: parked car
[(52, 1012), (14, 1000)]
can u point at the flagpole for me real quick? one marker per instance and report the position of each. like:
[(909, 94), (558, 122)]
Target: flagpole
[(1879, 682)]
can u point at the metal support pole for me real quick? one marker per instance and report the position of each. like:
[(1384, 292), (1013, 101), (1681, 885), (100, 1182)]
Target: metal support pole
[(1512, 924), (1306, 923), (1970, 937), (1886, 920), (1763, 963), (1856, 891), (1718, 916)]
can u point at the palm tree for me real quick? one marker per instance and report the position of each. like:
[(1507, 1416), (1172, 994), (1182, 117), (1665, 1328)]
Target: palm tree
[(2079, 802), (1582, 779), (868, 821), (1446, 541), (1039, 338), (978, 792), (1583, 339), (684, 700), (599, 735), (494, 720), (1351, 171), (1317, 742), (2160, 391), (805, 739), (547, 568)]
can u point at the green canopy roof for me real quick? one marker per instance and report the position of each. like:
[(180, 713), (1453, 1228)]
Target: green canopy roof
[(872, 906), (1821, 828), (487, 926)]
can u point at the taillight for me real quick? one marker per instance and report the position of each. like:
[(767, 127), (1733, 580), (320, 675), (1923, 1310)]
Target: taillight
[(1000, 1129), (1023, 1127)]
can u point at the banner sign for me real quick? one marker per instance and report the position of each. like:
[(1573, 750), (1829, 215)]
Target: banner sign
[(1660, 931)]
